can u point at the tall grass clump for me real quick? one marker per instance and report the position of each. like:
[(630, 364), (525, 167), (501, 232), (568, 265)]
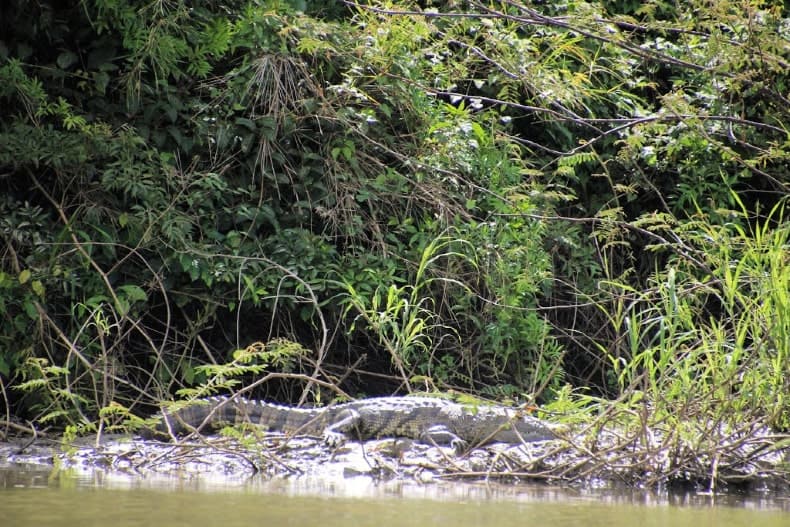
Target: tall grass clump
[(701, 356), (710, 340)]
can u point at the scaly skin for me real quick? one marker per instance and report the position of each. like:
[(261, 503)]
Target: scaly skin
[(424, 418)]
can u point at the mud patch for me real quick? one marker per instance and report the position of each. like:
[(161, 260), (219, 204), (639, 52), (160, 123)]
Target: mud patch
[(601, 462)]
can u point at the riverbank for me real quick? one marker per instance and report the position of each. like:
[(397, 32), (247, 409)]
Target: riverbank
[(758, 463)]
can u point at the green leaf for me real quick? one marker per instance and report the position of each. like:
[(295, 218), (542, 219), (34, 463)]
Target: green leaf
[(24, 276), (133, 293), (101, 79), (246, 123), (66, 59), (38, 288), (122, 306), (30, 310), (96, 301)]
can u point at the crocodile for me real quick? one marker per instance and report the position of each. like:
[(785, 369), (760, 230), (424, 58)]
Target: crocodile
[(427, 419)]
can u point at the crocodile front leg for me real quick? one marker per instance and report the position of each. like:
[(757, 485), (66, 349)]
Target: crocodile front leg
[(441, 435), (347, 422)]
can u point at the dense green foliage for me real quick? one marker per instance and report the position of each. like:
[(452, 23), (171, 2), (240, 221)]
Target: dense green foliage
[(499, 197)]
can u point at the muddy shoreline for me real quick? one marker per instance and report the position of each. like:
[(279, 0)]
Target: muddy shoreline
[(308, 458)]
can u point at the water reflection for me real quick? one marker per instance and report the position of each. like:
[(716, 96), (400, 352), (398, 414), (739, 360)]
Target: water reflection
[(38, 477), (248, 505)]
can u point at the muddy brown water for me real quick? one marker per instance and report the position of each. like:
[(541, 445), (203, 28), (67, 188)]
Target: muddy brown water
[(30, 496)]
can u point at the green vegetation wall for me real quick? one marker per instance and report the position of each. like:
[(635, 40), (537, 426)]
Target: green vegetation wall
[(388, 196)]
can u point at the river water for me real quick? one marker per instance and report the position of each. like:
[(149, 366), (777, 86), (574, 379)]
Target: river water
[(50, 498)]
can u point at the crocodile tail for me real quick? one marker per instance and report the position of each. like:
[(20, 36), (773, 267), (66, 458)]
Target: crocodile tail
[(211, 411)]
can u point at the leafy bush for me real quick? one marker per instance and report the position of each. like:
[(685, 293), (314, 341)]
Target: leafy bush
[(476, 202)]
